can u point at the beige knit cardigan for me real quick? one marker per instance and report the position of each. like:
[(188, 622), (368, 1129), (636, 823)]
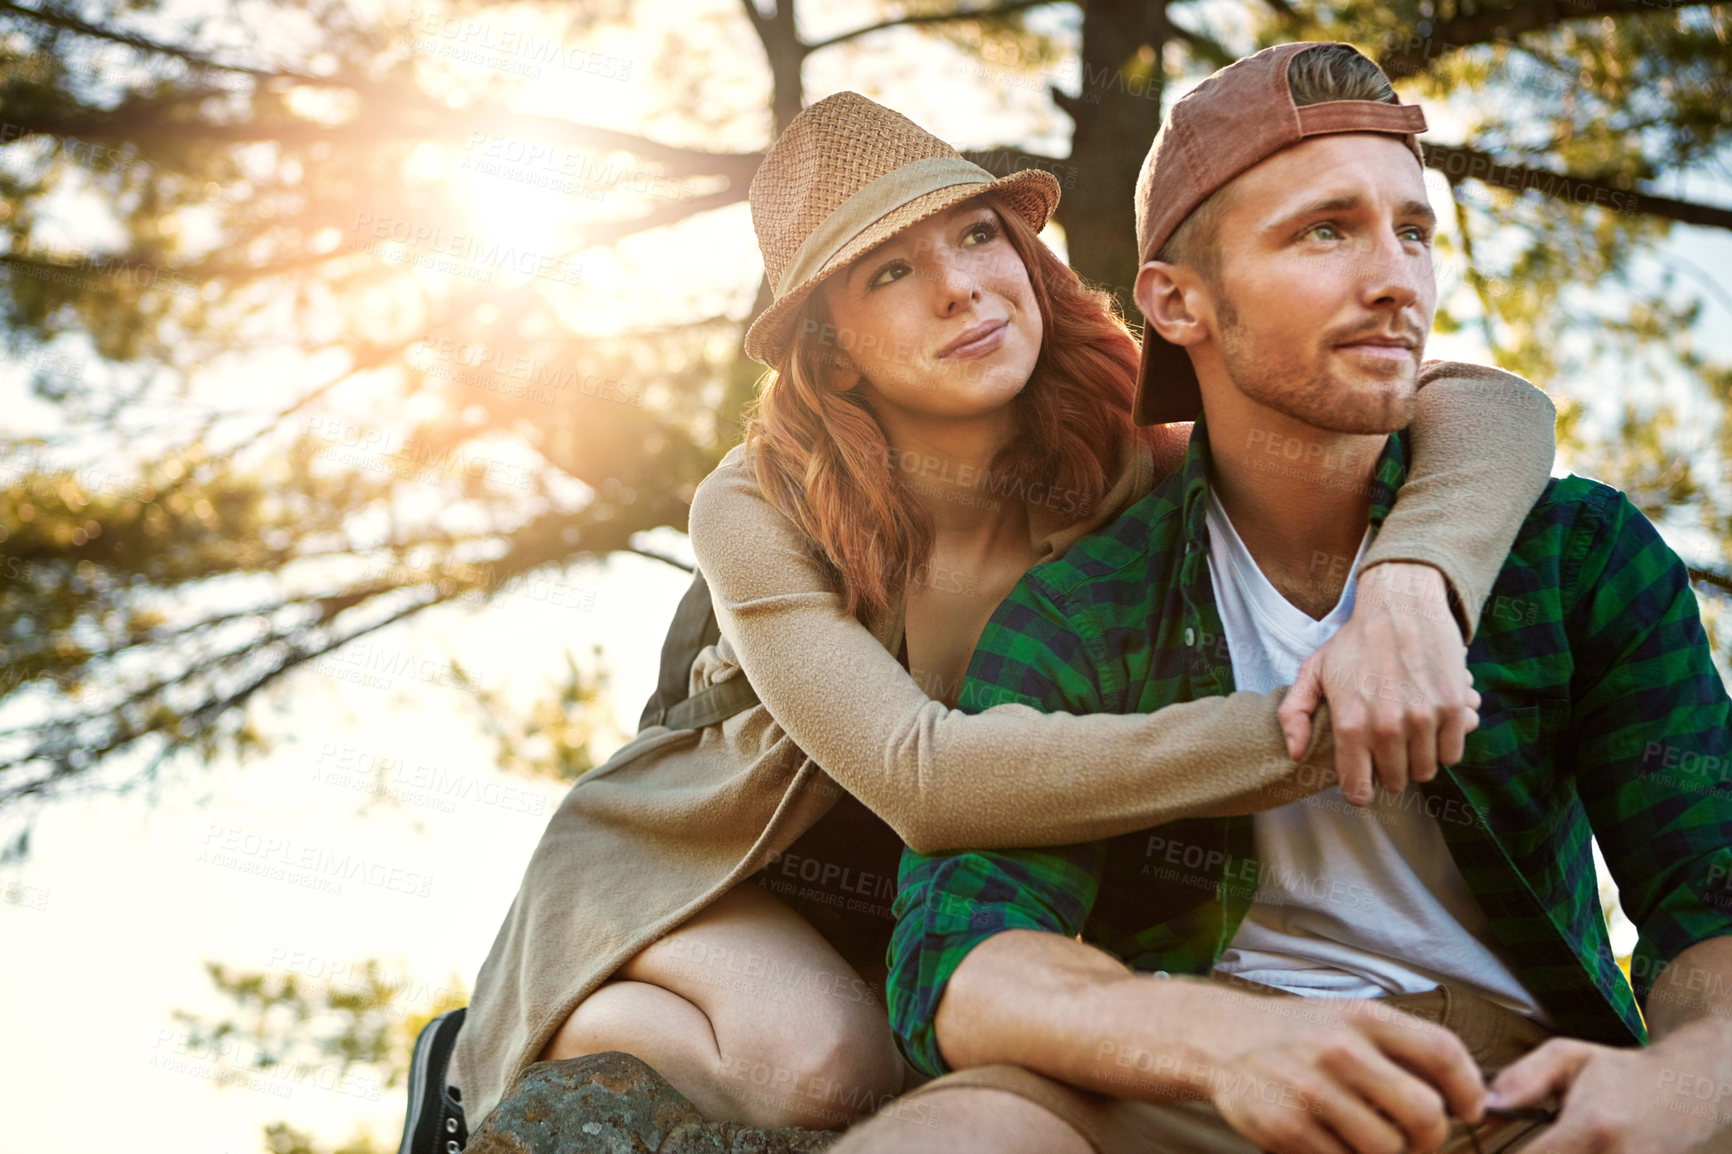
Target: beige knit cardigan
[(676, 817)]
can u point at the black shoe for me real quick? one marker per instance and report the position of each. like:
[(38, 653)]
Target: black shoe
[(435, 1124)]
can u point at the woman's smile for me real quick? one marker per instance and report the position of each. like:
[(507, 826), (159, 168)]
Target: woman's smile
[(977, 341)]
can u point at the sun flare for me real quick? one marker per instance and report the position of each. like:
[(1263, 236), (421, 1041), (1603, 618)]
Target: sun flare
[(527, 204)]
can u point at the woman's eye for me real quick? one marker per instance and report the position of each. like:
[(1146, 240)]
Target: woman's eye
[(887, 274), (982, 232)]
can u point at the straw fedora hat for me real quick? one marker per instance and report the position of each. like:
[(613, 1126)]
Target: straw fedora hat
[(846, 176)]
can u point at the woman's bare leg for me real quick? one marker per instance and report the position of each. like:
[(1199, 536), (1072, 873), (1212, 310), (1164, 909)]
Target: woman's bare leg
[(751, 1014)]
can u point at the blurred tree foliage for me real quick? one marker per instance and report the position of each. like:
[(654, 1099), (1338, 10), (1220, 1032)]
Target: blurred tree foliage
[(282, 1138), (350, 1035), (301, 386), (554, 736)]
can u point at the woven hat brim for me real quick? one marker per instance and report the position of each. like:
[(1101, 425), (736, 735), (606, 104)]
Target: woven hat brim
[(1031, 193)]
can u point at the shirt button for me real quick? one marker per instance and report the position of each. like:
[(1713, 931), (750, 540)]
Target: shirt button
[(1190, 636)]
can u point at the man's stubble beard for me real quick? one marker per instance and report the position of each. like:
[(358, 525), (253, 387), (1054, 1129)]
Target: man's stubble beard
[(1309, 394)]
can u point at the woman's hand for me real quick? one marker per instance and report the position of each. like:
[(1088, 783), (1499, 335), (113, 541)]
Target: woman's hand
[(1400, 697)]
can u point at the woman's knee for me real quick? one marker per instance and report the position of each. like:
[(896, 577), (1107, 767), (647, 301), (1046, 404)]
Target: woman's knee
[(748, 998), (620, 1016), (815, 1053), (828, 1076)]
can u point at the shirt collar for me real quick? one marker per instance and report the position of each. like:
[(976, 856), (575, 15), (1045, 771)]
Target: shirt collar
[(1387, 478)]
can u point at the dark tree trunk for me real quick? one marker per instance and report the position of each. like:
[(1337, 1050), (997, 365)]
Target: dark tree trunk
[(785, 53), (1116, 113)]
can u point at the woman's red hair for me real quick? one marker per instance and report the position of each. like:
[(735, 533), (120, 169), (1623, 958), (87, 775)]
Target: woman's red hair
[(821, 456)]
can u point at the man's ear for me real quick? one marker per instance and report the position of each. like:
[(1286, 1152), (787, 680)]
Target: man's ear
[(1166, 294)]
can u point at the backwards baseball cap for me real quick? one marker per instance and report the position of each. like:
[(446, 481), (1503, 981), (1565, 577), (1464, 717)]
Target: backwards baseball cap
[(1237, 118)]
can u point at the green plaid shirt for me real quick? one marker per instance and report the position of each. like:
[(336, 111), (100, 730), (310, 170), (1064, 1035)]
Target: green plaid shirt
[(1602, 714)]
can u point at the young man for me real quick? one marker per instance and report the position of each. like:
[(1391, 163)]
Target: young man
[(1288, 287)]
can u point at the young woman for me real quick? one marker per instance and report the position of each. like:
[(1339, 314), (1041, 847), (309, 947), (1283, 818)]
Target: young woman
[(949, 407)]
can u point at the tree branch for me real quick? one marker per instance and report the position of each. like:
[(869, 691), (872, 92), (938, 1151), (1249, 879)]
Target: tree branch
[(1712, 577), (1459, 163), (421, 122), (1203, 48), (1488, 23), (757, 18), (1464, 225), (368, 357), (195, 721), (420, 119), (97, 265), (67, 735), (142, 44), (609, 232), (1288, 14), (993, 159), (1004, 9)]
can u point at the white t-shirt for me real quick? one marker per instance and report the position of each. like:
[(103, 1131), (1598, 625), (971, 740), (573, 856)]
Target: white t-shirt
[(1351, 903)]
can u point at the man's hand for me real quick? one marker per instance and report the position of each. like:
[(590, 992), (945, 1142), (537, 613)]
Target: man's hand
[(1671, 1098), (1295, 1075), (1396, 680), (1312, 1075)]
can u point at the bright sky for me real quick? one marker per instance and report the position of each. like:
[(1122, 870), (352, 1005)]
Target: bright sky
[(107, 924)]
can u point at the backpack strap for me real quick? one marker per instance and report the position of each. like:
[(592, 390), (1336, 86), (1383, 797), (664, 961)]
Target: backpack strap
[(717, 703), (692, 630)]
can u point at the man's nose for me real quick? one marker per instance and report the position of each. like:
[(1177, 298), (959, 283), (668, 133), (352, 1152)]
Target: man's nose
[(1391, 275)]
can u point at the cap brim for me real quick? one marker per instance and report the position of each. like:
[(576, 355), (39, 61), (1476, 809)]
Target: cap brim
[(1167, 388), (1032, 193)]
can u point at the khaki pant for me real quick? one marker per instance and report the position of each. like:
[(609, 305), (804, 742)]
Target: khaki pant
[(1494, 1036)]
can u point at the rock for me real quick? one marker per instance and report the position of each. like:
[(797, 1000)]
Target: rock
[(614, 1103)]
